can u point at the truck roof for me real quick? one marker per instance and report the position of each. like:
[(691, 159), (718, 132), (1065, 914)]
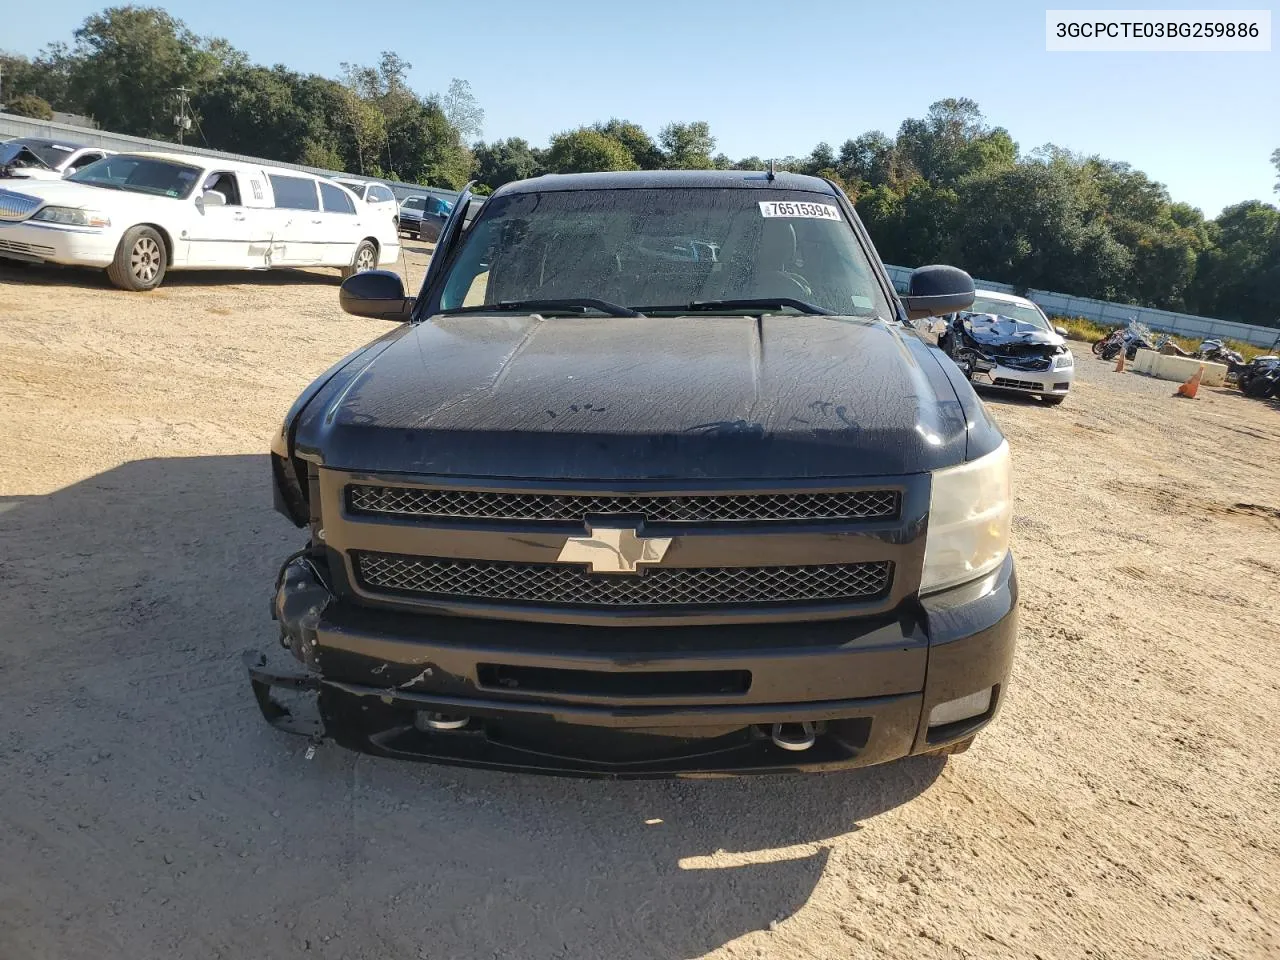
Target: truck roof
[(671, 179)]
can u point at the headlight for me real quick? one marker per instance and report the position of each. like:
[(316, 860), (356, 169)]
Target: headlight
[(1063, 361), (969, 517), (72, 216)]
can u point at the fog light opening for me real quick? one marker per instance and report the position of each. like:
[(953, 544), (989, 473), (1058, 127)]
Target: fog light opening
[(962, 708)]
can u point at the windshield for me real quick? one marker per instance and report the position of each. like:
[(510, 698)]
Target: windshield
[(50, 154), (161, 178), (1014, 311), (664, 248)]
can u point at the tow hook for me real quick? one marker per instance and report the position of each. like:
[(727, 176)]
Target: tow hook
[(428, 720), (793, 736)]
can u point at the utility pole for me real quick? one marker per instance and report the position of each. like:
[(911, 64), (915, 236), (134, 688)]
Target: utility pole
[(182, 119)]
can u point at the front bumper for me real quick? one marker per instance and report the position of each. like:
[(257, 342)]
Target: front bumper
[(1036, 382), (635, 702), (54, 243)]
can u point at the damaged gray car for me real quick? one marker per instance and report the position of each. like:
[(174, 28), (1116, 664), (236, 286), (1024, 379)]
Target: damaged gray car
[(1006, 343)]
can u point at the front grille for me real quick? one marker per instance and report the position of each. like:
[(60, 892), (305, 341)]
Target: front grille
[(1017, 384), (567, 585), (32, 249), (1028, 362), (655, 508), (17, 206)]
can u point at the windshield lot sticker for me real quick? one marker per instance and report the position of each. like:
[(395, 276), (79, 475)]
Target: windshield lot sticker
[(789, 208)]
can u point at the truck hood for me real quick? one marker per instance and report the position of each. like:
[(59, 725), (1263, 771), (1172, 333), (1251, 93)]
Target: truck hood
[(640, 398)]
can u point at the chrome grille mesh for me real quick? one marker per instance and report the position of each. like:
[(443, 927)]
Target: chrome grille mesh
[(33, 249), (656, 508), (569, 585), (17, 206)]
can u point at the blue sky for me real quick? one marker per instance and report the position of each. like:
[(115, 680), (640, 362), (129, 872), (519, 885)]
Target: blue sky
[(775, 78)]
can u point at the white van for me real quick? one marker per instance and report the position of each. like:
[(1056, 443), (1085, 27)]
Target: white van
[(142, 214)]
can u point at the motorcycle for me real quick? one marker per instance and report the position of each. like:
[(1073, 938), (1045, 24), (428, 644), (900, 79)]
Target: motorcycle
[(1131, 339), (1260, 378), (1215, 351), (1103, 345)]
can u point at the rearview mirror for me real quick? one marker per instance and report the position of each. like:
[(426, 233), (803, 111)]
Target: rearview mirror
[(378, 294), (937, 290), (1061, 331), (213, 198)]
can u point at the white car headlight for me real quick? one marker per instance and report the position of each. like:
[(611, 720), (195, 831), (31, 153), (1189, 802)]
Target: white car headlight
[(1064, 361), (969, 517), (72, 216)]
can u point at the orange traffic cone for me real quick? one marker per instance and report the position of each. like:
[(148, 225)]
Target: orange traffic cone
[(1120, 361), (1189, 388)]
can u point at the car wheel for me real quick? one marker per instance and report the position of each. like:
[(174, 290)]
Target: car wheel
[(1053, 400), (366, 258), (141, 260)]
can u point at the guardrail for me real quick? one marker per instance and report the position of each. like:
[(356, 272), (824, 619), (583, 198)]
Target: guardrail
[(12, 125), (1118, 314)]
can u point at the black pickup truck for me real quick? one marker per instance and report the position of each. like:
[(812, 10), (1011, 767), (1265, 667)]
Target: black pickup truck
[(653, 477)]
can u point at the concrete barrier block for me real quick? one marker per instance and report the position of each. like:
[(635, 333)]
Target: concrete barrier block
[(1179, 369)]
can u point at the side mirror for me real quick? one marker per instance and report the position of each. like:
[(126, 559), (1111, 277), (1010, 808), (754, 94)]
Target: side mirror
[(213, 198), (937, 290), (1061, 331), (378, 294)]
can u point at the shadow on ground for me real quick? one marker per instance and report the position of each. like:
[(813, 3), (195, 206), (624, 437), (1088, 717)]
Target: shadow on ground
[(1010, 399), (147, 810), (54, 275)]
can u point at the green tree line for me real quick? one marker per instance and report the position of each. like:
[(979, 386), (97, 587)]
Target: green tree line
[(948, 187)]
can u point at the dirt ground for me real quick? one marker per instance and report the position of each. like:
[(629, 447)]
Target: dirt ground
[(1123, 806)]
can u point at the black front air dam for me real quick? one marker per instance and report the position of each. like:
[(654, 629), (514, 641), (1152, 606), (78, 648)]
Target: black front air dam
[(866, 687)]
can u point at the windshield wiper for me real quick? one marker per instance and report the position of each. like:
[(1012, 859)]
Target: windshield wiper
[(757, 303), (535, 306)]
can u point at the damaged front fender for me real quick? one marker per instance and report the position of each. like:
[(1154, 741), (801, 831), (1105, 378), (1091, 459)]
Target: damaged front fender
[(301, 598)]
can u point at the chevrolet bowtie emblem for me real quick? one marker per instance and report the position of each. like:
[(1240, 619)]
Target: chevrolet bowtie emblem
[(614, 550)]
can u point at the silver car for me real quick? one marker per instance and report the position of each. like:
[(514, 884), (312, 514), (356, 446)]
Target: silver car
[(1006, 343)]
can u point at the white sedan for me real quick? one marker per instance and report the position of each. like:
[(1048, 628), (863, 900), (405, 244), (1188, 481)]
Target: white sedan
[(1007, 343), (139, 215), (377, 196)]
